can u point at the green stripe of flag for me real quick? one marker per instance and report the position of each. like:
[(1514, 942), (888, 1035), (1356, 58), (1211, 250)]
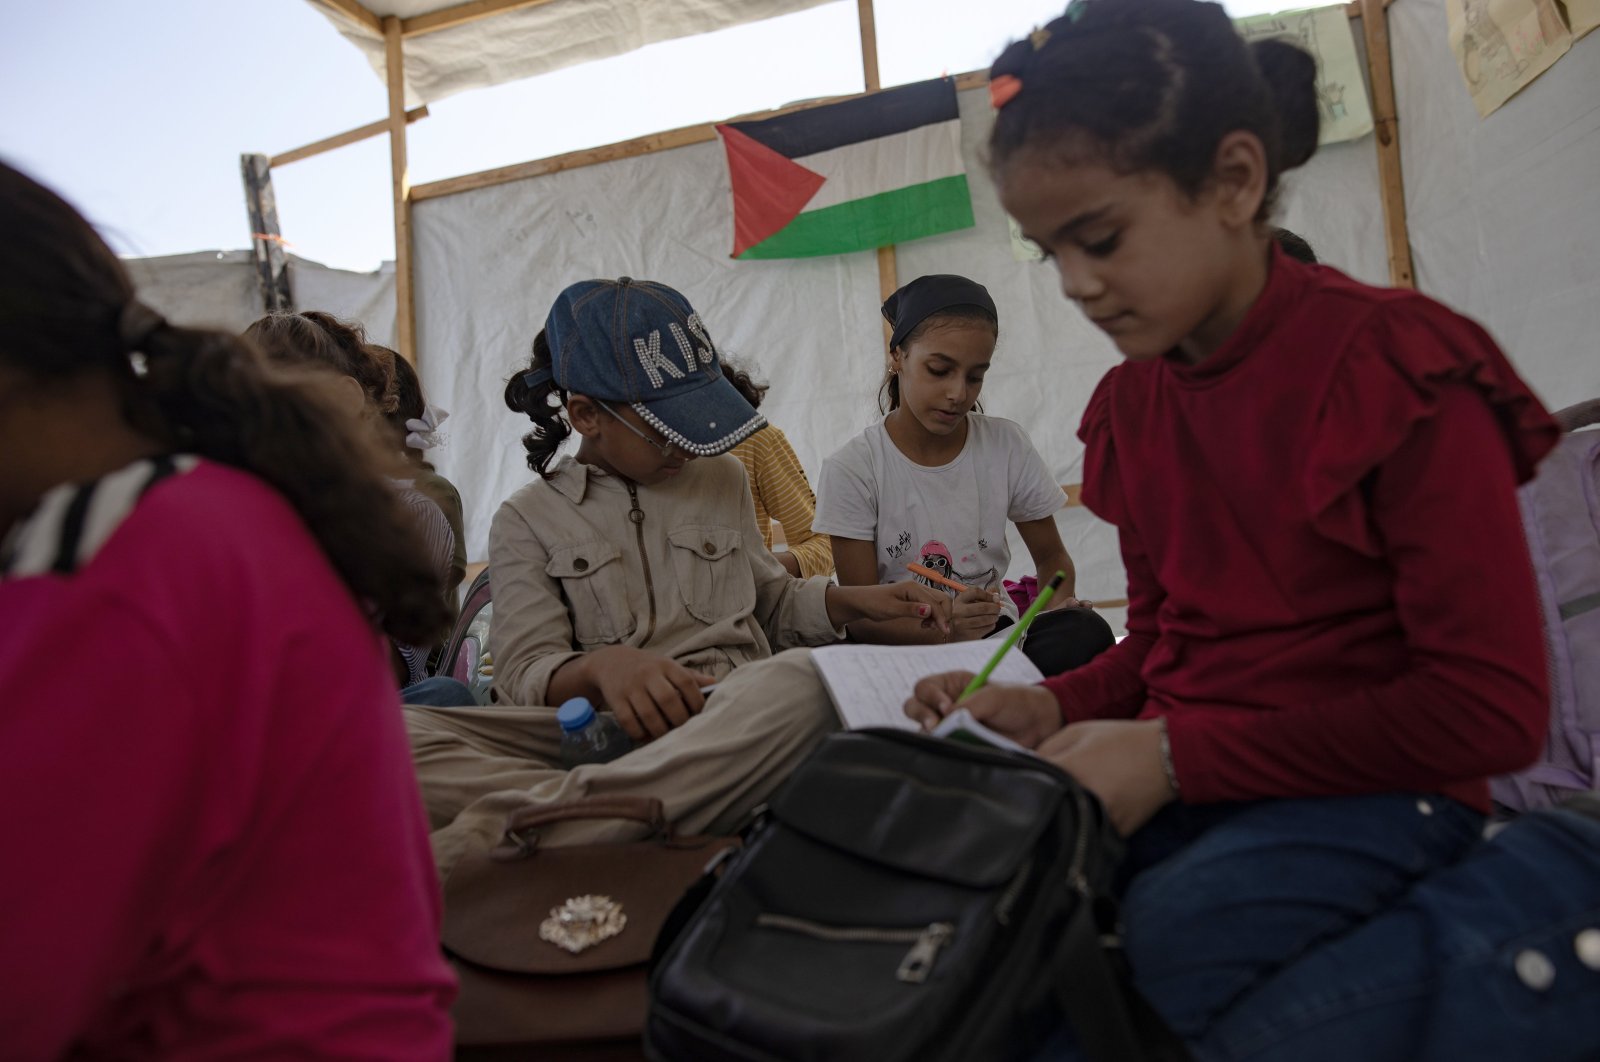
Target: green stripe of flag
[(878, 220)]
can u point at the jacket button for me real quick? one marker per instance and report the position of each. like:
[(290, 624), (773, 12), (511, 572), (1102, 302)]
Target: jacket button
[(580, 565), (708, 548), (1535, 970), (1587, 945)]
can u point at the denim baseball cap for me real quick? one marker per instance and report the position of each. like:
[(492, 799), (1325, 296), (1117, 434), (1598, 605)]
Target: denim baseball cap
[(639, 342)]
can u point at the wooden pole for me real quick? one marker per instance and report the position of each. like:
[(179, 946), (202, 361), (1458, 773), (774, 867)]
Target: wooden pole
[(351, 136), (887, 269), (1386, 130), (266, 242), (460, 14), (357, 11), (404, 305)]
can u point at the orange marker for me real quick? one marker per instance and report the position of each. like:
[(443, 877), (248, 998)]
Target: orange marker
[(929, 574)]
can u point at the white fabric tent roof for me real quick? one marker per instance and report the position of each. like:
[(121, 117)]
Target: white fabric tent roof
[(534, 39)]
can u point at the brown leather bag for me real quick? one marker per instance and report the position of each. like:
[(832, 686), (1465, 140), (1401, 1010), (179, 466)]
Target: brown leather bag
[(552, 944)]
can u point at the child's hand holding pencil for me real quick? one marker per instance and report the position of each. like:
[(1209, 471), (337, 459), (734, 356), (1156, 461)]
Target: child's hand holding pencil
[(973, 612)]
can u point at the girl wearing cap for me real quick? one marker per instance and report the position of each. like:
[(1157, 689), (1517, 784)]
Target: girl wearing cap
[(934, 483), (632, 573)]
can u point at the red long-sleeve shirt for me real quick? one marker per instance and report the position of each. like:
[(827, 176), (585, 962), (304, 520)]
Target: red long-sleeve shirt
[(1329, 591)]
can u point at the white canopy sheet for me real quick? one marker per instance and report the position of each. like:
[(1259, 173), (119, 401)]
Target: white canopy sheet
[(536, 40)]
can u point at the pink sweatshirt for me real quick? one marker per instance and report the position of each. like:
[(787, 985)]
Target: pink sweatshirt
[(213, 840)]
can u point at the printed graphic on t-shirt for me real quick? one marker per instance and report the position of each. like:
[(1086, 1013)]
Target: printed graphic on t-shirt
[(936, 557)]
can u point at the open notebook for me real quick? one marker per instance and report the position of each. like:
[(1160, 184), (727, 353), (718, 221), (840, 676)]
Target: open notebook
[(869, 684)]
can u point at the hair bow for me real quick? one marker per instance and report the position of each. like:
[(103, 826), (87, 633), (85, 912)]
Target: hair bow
[(423, 431)]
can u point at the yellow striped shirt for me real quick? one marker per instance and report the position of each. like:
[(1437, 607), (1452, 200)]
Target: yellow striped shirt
[(782, 493)]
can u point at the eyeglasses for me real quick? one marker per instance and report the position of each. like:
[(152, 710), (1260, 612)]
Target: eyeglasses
[(667, 448)]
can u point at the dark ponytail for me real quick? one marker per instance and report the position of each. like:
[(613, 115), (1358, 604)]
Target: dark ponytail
[(65, 304), (533, 393), (1152, 85)]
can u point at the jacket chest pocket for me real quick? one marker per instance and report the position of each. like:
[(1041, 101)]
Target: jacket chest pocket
[(713, 575), (596, 588)]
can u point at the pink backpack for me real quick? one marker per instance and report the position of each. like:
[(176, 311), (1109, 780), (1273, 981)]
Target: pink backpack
[(1561, 515)]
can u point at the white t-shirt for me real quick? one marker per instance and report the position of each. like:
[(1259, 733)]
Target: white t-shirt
[(951, 518)]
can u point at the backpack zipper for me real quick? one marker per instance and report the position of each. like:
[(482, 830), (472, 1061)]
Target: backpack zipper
[(925, 942), (1080, 853), (636, 515), (1002, 909)]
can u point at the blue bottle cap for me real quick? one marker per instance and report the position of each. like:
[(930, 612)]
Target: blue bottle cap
[(575, 714)]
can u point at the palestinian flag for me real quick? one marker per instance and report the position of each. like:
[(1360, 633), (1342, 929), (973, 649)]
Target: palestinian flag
[(852, 176)]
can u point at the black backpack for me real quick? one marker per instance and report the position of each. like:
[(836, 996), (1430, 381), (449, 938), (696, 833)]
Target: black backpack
[(906, 897)]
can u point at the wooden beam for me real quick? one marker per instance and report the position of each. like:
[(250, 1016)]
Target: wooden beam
[(869, 45), (356, 10), (627, 149), (888, 270), (461, 14), (266, 241), (350, 136), (1386, 130), (1353, 8), (404, 297)]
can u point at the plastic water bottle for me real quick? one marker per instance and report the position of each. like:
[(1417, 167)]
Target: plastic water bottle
[(587, 736)]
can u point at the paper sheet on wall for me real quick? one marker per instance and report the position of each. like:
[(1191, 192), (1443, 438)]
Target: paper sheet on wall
[(1341, 90), (1502, 45), (869, 684), (1582, 16)]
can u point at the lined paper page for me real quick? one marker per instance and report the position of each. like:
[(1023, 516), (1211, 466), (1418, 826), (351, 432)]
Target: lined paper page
[(870, 683)]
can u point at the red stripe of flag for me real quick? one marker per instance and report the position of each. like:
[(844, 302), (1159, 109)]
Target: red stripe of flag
[(768, 189)]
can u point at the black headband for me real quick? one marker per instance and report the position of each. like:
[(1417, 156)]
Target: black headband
[(926, 296)]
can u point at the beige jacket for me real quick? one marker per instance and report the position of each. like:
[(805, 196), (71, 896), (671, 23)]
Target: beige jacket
[(576, 563)]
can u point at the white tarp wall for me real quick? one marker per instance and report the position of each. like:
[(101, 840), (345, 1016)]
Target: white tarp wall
[(490, 262), (1505, 217), (218, 289), (1505, 211)]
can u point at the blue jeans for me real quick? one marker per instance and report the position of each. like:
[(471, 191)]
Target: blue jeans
[(1375, 928), (440, 691)]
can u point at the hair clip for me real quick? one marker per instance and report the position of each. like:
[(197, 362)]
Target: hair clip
[(1003, 89), (423, 432), (1075, 10), (534, 377)]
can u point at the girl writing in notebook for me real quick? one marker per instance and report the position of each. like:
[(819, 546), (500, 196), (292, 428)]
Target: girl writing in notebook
[(928, 492), (1314, 485)]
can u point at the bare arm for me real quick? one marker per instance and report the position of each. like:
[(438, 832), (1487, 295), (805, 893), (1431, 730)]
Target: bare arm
[(855, 565), (1578, 416), (1043, 540)]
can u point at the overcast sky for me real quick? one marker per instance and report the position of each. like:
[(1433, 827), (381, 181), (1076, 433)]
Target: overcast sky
[(138, 110)]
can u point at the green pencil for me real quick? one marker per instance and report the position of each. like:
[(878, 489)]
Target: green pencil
[(1014, 637)]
